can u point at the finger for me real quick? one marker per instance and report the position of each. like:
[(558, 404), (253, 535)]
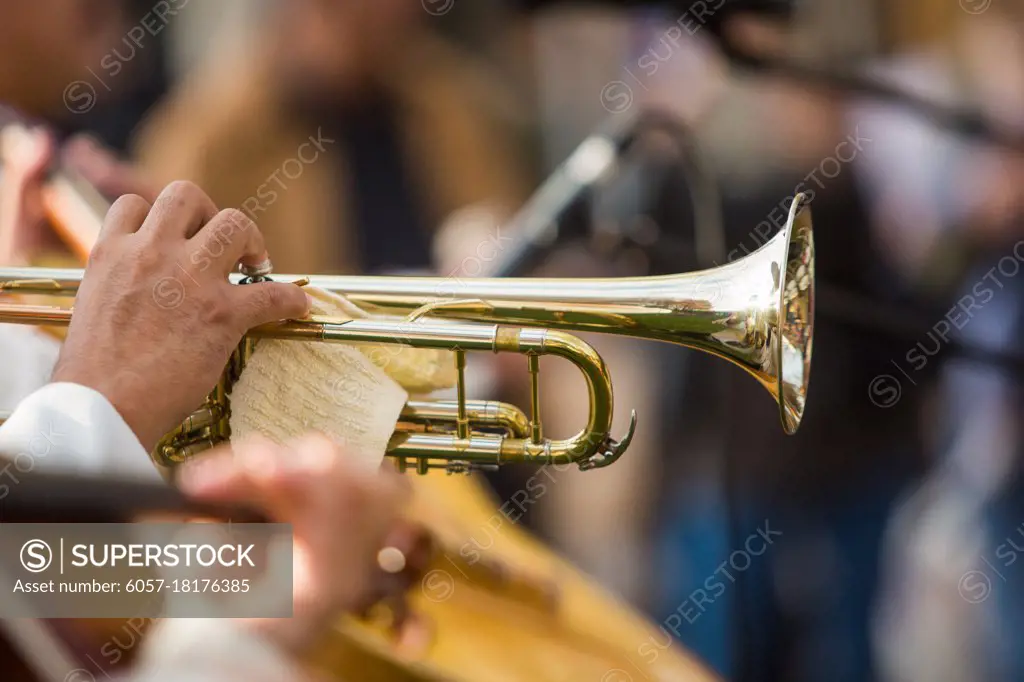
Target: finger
[(316, 457), (416, 543), (417, 548), (232, 237), (397, 479), (126, 216), (89, 158), (395, 486), (400, 612), (27, 154), (180, 211), (243, 473), (319, 455), (26, 158), (264, 302), (280, 478), (406, 537), (416, 636)]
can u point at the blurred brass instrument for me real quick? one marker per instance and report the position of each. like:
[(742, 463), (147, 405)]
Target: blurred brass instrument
[(756, 312)]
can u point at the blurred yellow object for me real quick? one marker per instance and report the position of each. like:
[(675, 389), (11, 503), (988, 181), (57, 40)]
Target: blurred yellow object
[(478, 630)]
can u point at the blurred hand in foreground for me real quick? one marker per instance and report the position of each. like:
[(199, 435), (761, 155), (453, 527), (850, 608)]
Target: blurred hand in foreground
[(341, 514)]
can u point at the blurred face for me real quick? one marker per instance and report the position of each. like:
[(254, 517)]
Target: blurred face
[(332, 49), (45, 45)]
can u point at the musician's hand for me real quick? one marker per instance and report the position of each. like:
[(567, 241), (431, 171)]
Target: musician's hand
[(104, 171), (26, 155), (391, 589), (155, 319), (341, 516)]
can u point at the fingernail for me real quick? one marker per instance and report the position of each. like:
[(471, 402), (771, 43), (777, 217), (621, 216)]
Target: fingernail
[(35, 140), (28, 144), (15, 139)]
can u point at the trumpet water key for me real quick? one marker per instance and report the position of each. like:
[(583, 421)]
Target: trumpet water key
[(756, 312)]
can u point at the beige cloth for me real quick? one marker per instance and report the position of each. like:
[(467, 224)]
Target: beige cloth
[(352, 393), (417, 370)]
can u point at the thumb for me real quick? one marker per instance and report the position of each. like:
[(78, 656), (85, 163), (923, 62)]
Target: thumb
[(100, 167), (26, 155), (265, 302)]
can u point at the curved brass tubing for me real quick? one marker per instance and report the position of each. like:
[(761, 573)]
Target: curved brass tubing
[(589, 448), (457, 452)]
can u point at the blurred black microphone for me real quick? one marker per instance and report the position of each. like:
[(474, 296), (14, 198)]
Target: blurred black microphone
[(709, 8), (64, 498), (714, 17), (711, 15)]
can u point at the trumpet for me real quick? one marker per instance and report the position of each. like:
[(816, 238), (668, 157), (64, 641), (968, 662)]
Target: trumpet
[(756, 312)]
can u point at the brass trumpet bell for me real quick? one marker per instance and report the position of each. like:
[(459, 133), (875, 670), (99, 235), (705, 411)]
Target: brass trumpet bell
[(757, 311)]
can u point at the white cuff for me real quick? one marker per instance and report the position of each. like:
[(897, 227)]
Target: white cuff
[(218, 650), (73, 429)]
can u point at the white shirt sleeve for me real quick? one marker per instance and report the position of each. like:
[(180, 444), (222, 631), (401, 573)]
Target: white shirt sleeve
[(69, 428), (29, 355), (212, 650)]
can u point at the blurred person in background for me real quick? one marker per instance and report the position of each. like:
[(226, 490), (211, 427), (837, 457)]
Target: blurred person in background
[(350, 131), (953, 593), (85, 66), (45, 48), (727, 474), (915, 219), (801, 610)]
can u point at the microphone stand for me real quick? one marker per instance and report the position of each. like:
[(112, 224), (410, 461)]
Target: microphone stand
[(558, 210), (968, 123)]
